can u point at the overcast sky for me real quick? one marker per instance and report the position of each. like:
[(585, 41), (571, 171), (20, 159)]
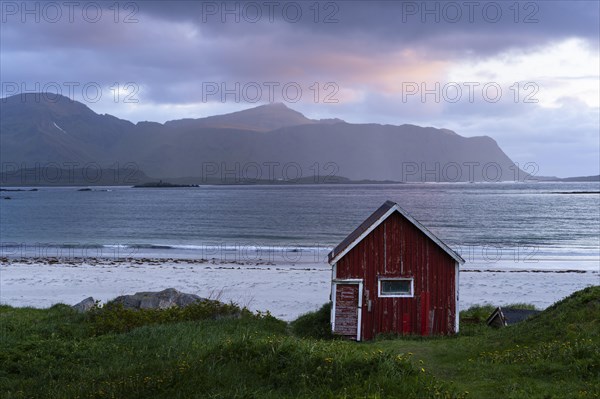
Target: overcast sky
[(526, 73)]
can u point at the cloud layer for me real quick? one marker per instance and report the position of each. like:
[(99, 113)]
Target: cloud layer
[(524, 73)]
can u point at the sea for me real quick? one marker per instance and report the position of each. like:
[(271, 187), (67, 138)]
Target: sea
[(504, 226)]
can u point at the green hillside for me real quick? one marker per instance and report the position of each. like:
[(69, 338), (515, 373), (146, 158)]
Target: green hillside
[(226, 352)]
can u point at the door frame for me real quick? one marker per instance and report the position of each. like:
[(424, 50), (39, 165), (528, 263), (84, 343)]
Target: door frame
[(334, 284)]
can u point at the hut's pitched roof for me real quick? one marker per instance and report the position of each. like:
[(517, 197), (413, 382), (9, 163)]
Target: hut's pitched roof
[(510, 316), (376, 218)]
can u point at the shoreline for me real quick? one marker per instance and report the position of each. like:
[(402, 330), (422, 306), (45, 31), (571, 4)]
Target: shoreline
[(200, 183), (286, 290), (271, 261)]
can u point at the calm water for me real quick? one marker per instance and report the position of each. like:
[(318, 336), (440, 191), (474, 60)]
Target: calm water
[(517, 225)]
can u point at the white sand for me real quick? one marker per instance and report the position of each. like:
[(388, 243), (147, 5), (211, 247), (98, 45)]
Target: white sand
[(285, 291)]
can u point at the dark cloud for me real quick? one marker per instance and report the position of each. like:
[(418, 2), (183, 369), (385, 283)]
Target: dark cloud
[(482, 26)]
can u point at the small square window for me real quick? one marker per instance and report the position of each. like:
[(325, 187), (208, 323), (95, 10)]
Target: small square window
[(396, 287)]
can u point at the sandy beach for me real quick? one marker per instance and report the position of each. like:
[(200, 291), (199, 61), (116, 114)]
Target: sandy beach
[(284, 290)]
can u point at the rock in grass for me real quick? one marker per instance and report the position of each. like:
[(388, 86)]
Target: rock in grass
[(85, 305), (157, 300)]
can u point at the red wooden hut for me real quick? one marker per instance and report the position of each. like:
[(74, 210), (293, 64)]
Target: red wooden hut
[(392, 275)]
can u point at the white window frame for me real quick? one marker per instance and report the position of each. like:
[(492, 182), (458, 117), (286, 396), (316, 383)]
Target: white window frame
[(411, 294)]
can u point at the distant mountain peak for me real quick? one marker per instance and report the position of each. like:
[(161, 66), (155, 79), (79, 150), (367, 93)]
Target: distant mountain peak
[(47, 103), (274, 105), (264, 117), (270, 108)]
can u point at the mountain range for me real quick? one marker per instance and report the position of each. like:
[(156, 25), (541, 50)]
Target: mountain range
[(266, 142)]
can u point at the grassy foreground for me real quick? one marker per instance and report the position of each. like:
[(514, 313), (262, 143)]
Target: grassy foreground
[(225, 352)]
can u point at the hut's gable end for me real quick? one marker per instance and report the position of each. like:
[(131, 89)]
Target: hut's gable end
[(396, 248), (380, 216)]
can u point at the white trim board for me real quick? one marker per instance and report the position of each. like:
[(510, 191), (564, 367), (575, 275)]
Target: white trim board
[(456, 301)]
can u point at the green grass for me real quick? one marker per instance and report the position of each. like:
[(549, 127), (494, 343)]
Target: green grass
[(114, 353), (314, 324), (555, 354), (227, 352)]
